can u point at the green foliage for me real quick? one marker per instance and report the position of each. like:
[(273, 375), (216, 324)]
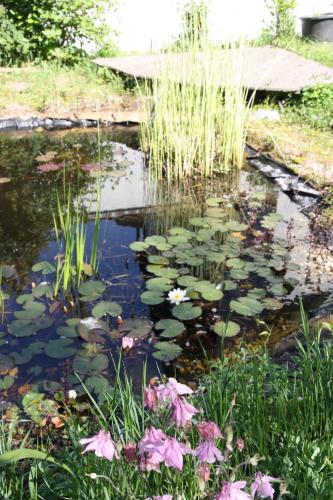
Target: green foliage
[(14, 46), (281, 25), (60, 29), (314, 107)]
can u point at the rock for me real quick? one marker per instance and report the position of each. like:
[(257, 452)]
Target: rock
[(266, 114)]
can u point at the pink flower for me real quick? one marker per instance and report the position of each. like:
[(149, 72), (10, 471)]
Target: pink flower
[(262, 487), (50, 167), (177, 388), (150, 397), (101, 444), (167, 393), (173, 453), (182, 412), (233, 491), (149, 462), (240, 444), (153, 439), (209, 430), (163, 497), (203, 472), (208, 452), (130, 452), (127, 342)]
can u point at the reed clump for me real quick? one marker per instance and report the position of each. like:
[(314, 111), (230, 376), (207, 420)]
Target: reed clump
[(198, 108)]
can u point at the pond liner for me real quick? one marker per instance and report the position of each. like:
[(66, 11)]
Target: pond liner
[(10, 124), (290, 183)]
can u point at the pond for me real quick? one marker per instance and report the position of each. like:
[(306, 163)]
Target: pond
[(241, 248)]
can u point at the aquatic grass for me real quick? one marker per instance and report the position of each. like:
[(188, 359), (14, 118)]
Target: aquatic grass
[(198, 120)]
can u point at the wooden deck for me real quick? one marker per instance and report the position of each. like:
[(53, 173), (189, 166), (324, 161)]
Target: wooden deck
[(266, 68)]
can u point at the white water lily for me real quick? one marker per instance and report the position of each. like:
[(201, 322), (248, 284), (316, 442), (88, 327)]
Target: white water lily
[(72, 394), (176, 296)]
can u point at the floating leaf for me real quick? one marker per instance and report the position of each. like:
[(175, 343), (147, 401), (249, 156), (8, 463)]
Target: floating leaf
[(167, 351), (104, 307), (31, 310), (93, 365), (66, 331), (89, 329), (43, 289), (187, 281), (136, 327), (229, 329), (139, 246), (60, 348), (22, 357), (21, 328), (186, 311), (154, 240), (278, 290), (212, 295), (6, 382), (164, 272), (159, 284), (152, 297), (234, 225), (158, 259), (24, 298), (91, 290), (171, 327), (214, 202), (246, 306), (97, 383), (6, 363), (198, 221), (44, 266), (272, 304), (235, 263)]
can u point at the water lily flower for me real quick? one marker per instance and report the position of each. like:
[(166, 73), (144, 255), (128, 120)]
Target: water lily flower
[(176, 296), (233, 491), (127, 342), (72, 394), (130, 452), (182, 412), (208, 452), (101, 444), (173, 452), (209, 430), (262, 487), (240, 444)]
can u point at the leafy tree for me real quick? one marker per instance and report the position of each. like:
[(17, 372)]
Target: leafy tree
[(61, 29), (14, 46), (281, 25)]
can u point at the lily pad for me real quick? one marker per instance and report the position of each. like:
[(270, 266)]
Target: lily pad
[(167, 351), (234, 225), (90, 366), (21, 328), (6, 363), (152, 297), (90, 330), (31, 310), (159, 284), (91, 290), (66, 331), (272, 304), (187, 281), (212, 295), (60, 348), (136, 327), (171, 327), (229, 329), (246, 306), (214, 202), (112, 308), (163, 272), (154, 240), (186, 311), (6, 382), (139, 246), (43, 289), (158, 259), (44, 266)]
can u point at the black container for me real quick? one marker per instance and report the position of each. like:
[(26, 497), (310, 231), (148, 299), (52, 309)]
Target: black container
[(318, 27)]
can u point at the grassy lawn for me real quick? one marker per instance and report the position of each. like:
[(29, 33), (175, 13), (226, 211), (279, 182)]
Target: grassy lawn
[(321, 52)]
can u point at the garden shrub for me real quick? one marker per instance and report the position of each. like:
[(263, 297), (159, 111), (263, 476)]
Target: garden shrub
[(14, 46), (314, 106)]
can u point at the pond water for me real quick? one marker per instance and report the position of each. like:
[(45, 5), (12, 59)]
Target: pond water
[(241, 248)]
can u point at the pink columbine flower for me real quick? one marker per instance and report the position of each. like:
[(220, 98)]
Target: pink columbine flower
[(173, 452), (163, 497), (262, 487), (182, 412), (130, 452), (209, 431), (101, 444), (127, 343), (167, 393), (208, 452), (203, 472), (233, 491), (150, 397), (240, 444), (152, 440)]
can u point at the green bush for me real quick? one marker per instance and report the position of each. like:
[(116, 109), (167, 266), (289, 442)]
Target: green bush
[(314, 106), (61, 29), (14, 47), (281, 25)]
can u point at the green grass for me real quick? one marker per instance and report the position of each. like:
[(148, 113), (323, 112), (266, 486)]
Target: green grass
[(284, 416), (54, 89), (317, 51)]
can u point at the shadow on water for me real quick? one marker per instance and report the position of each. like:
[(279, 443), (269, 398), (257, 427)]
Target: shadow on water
[(36, 165)]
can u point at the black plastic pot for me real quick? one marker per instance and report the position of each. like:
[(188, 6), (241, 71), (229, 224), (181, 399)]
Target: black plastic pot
[(318, 27)]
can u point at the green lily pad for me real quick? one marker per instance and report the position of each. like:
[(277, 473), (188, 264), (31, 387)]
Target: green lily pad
[(21, 328), (90, 329), (154, 240), (246, 306), (60, 348), (218, 258), (139, 246), (187, 281), (229, 285), (198, 221), (24, 298), (43, 289), (23, 357), (6, 382), (159, 284), (6, 363), (186, 311), (152, 297), (44, 266), (229, 329), (163, 272), (136, 327), (166, 351), (239, 274), (234, 225), (272, 304), (214, 202), (97, 383), (37, 347), (66, 331), (91, 290), (90, 366), (112, 308), (257, 293), (235, 263), (158, 259), (30, 311), (215, 212), (279, 290), (171, 327), (212, 295)]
